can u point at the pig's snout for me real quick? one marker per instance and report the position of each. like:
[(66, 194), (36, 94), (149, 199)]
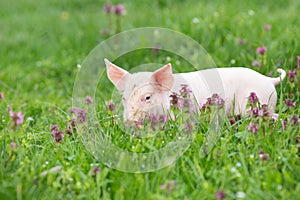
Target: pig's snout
[(133, 116)]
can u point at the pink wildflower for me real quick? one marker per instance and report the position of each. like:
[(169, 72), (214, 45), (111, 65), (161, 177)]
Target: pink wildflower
[(108, 8), (96, 170), (13, 144), (256, 63), (80, 114), (264, 156), (292, 74), (295, 119), (1, 95), (88, 100), (232, 120), (174, 99), (111, 106), (261, 50), (155, 49), (58, 135), (220, 195), (253, 128), (119, 9), (252, 98), (290, 103), (54, 128), (240, 41), (267, 27), (18, 118), (68, 131)]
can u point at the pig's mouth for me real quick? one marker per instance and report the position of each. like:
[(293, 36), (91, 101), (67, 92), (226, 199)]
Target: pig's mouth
[(136, 117)]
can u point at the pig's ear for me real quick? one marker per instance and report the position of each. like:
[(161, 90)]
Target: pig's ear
[(164, 77), (116, 75)]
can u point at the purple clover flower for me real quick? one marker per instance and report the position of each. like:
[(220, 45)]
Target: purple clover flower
[(138, 124), (1, 95), (189, 126), (220, 195), (264, 156), (54, 127), (295, 119), (58, 135), (232, 121), (88, 100), (151, 119), (119, 9), (96, 170), (13, 145), (253, 128), (292, 74), (261, 50), (185, 92), (290, 103), (18, 118), (111, 106), (163, 118), (174, 99), (168, 186), (80, 114), (108, 8), (73, 122), (267, 27), (214, 100), (252, 98), (217, 100), (183, 99), (68, 131), (155, 49), (261, 113), (297, 139), (241, 41), (298, 61), (284, 124), (180, 104), (256, 63)]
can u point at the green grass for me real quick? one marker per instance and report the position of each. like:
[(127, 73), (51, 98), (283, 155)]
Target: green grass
[(43, 41)]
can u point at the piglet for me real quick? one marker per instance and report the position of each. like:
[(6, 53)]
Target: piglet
[(149, 92)]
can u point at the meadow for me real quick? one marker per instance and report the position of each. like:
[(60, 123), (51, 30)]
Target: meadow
[(43, 45)]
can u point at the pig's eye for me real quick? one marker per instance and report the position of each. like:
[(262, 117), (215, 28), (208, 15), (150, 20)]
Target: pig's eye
[(147, 98)]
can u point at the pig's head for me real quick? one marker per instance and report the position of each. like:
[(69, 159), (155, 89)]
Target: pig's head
[(142, 92)]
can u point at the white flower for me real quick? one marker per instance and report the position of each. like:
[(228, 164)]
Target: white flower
[(233, 170), (156, 32), (232, 61), (216, 14), (29, 119), (240, 195), (238, 164), (195, 20), (78, 66), (251, 12)]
